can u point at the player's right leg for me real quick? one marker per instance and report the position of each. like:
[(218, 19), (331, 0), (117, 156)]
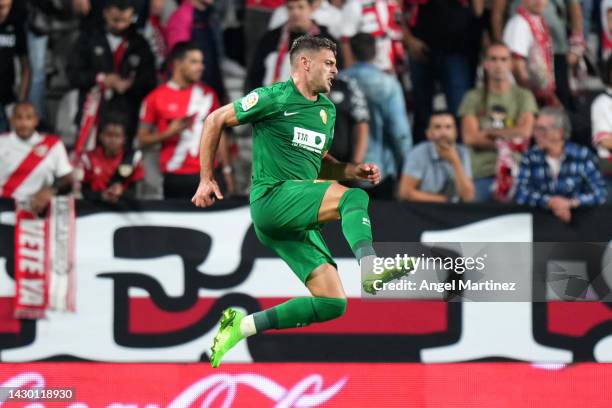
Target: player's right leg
[(350, 205)]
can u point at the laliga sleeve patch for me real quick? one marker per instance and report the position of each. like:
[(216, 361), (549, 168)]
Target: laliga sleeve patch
[(249, 101)]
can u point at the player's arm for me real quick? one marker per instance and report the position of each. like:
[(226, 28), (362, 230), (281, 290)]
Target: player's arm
[(523, 128), (147, 135), (519, 70), (473, 135), (332, 169), (222, 118), (409, 191), (606, 142)]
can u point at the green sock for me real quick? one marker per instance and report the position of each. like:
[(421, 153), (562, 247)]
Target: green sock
[(353, 209), (299, 312)]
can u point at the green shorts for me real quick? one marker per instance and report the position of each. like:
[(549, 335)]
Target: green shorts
[(286, 221)]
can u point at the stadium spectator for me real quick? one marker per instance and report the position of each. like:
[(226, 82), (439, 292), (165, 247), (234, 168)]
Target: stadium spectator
[(439, 49), (196, 20), (256, 20), (271, 60), (601, 126), (173, 115), (118, 59), (497, 121), (528, 37), (44, 16), (562, 17), (389, 137), (352, 116), (154, 30), (92, 12), (13, 44), (35, 166), (557, 174), (325, 14), (111, 170), (439, 169), (375, 18)]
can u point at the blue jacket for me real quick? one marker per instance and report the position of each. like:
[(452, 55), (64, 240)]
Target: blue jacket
[(390, 138), (578, 178)]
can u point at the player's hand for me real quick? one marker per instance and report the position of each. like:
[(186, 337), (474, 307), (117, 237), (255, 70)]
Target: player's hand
[(176, 126), (113, 193), (123, 85), (208, 192), (561, 207), (369, 172), (447, 151), (418, 49), (41, 200)]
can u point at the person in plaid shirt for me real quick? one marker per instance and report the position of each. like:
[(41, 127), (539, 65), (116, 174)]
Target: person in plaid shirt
[(557, 174)]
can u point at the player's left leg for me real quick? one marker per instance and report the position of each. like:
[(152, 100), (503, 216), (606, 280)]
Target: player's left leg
[(350, 205)]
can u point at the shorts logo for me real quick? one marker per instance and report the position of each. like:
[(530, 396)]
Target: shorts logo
[(308, 139), (365, 221), (249, 101)]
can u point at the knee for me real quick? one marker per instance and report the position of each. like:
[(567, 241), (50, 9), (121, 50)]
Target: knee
[(354, 197), (329, 308)]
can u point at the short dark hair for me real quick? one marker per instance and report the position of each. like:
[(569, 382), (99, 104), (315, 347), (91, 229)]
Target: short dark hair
[(363, 46), (113, 118), (25, 103), (442, 112), (120, 4), (181, 49), (310, 43)]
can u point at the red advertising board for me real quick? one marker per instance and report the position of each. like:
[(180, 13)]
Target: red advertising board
[(103, 385)]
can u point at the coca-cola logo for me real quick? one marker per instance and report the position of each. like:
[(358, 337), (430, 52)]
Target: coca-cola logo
[(211, 390)]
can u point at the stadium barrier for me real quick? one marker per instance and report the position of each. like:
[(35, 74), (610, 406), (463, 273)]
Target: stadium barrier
[(153, 277), (481, 385)]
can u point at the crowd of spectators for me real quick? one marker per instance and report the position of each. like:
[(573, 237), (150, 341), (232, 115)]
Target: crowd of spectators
[(455, 100)]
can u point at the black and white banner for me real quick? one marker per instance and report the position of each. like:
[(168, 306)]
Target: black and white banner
[(153, 278)]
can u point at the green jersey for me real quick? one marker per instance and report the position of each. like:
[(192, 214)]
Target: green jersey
[(290, 134)]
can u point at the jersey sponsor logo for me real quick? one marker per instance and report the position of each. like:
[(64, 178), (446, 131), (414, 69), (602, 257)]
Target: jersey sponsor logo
[(249, 101), (308, 139), (290, 113)]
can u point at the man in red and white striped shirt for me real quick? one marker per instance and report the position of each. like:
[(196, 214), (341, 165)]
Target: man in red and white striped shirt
[(173, 115), (34, 166)]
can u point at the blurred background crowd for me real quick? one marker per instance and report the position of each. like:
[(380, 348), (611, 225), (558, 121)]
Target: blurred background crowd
[(455, 100)]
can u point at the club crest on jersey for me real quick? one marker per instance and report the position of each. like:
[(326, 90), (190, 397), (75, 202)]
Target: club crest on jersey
[(323, 115), (308, 139), (40, 151), (249, 101)]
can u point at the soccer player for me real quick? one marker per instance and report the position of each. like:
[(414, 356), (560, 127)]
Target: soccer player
[(293, 126), (173, 115)]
